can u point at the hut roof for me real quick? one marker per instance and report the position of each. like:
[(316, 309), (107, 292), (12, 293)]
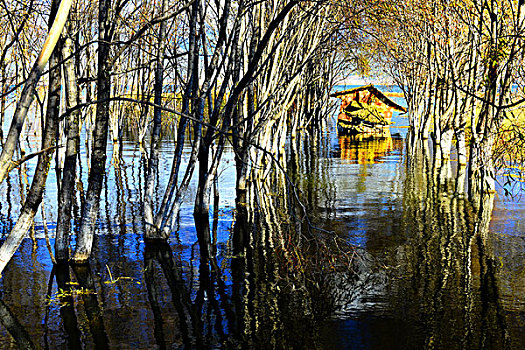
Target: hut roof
[(373, 90)]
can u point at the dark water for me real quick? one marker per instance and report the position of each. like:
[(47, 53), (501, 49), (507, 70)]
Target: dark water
[(429, 270)]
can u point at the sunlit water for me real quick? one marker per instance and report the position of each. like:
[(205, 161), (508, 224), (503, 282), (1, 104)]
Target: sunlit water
[(421, 281)]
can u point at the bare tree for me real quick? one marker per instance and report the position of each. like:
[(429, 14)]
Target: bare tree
[(29, 88), (34, 197)]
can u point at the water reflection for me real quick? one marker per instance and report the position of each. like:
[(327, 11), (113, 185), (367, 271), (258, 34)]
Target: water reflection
[(447, 281), (14, 328), (365, 149), (444, 286), (67, 306), (92, 309), (273, 268), (160, 255)]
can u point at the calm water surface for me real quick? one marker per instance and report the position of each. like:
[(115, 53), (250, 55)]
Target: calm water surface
[(430, 271)]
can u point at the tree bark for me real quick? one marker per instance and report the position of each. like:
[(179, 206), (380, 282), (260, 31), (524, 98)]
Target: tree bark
[(152, 231), (206, 174), (170, 205), (28, 93), (100, 135), (34, 197), (70, 162)]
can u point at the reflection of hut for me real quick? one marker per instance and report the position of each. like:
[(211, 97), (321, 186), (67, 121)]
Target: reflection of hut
[(365, 110), (364, 149)]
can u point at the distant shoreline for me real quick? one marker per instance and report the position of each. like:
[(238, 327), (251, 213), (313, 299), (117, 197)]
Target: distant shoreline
[(358, 80), (355, 81)]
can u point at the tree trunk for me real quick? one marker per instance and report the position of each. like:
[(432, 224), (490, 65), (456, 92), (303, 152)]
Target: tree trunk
[(34, 197), (230, 109), (70, 162), (482, 178), (152, 231), (446, 143), (58, 18), (481, 172), (170, 205), (242, 153), (100, 136)]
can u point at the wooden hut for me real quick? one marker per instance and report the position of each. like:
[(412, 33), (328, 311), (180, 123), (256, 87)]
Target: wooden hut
[(365, 110)]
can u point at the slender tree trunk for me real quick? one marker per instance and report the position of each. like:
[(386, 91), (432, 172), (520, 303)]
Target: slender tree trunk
[(100, 136), (461, 146), (3, 102), (152, 231), (446, 143), (70, 162), (228, 113), (28, 93), (481, 172), (172, 194), (34, 197), (242, 153), (481, 168)]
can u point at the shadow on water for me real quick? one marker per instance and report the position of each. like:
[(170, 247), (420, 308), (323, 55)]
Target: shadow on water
[(258, 273)]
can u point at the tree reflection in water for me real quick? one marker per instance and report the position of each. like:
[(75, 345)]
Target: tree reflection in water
[(447, 286), (267, 275), (15, 329)]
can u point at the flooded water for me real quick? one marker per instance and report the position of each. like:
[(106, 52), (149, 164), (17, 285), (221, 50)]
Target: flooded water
[(429, 270)]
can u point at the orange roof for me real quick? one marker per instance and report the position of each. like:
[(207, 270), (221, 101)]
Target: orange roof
[(373, 90)]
